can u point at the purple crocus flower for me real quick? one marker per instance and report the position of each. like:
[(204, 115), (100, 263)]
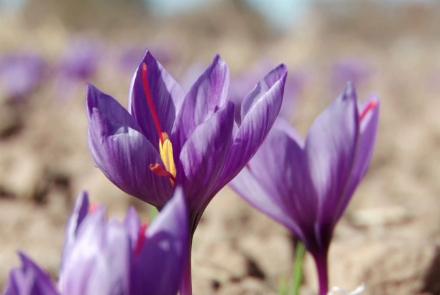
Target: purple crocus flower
[(307, 186), (81, 60), (79, 63), (112, 257), (21, 74), (168, 138)]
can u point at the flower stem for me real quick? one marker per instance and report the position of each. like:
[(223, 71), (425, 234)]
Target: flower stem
[(300, 252), (322, 270), (186, 286)]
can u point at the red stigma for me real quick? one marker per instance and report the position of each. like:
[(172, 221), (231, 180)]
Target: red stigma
[(93, 207), (161, 171), (150, 102), (141, 239), (370, 107)]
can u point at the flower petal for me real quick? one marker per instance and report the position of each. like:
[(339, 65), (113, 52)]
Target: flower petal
[(166, 94), (30, 279), (280, 166), (122, 152), (99, 260), (207, 95), (247, 186), (203, 156), (258, 115), (276, 181), (79, 213), (132, 223), (364, 152), (159, 267), (261, 88), (330, 148)]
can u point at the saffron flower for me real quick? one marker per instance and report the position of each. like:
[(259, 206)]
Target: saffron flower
[(306, 186), (112, 257), (81, 60), (168, 138), (20, 75)]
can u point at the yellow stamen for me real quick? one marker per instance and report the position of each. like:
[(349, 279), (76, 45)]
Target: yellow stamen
[(166, 154)]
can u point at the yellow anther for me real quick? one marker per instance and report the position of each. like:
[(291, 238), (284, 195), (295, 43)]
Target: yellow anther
[(166, 154)]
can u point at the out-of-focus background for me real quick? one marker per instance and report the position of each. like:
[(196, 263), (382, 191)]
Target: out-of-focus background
[(49, 50)]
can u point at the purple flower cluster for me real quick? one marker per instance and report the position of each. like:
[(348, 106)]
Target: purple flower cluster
[(176, 150), (106, 257)]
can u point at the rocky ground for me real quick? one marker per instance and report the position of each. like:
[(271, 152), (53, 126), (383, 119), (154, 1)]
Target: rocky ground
[(390, 237)]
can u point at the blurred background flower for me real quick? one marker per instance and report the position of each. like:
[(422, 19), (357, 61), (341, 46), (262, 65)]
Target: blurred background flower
[(21, 74)]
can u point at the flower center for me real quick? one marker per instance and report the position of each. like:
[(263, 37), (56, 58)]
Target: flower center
[(370, 107), (168, 168)]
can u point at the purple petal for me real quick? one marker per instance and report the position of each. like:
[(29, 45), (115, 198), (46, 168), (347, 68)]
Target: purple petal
[(159, 267), (258, 115), (364, 152), (99, 260), (207, 95), (281, 167), (79, 213), (132, 223), (247, 186), (30, 279), (330, 148), (263, 86), (122, 152), (166, 95), (203, 156)]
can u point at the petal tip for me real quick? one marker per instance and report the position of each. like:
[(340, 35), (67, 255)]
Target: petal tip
[(148, 57), (219, 62), (350, 91), (93, 96)]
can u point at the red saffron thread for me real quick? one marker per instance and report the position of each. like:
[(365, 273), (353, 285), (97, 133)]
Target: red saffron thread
[(371, 106), (150, 102), (141, 239)]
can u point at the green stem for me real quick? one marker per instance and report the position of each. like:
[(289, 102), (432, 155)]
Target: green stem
[(300, 252)]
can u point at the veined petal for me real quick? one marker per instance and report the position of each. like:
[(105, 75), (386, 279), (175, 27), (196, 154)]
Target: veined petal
[(166, 93), (122, 152), (364, 152), (259, 112), (159, 267), (367, 138), (203, 156), (248, 187), (330, 148), (30, 279), (207, 95), (100, 259), (79, 213), (280, 166), (261, 88)]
